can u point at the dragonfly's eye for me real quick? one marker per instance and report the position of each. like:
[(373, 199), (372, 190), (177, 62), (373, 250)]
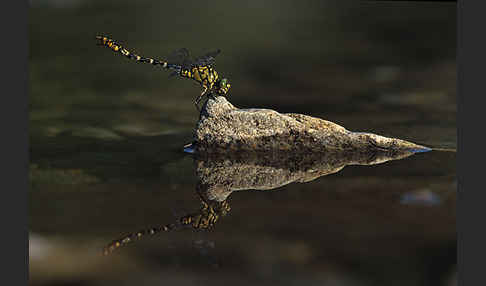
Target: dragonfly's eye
[(224, 82)]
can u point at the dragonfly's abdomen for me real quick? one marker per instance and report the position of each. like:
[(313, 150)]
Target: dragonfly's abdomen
[(119, 49)]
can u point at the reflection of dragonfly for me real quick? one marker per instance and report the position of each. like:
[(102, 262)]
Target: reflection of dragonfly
[(202, 220), (182, 64)]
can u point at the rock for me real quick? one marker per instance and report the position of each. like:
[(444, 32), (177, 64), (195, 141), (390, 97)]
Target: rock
[(222, 128)]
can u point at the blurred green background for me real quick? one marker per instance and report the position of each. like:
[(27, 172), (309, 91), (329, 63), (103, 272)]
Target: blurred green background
[(392, 64)]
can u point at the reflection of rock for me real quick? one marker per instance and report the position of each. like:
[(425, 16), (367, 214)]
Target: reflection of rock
[(219, 175), (223, 127)]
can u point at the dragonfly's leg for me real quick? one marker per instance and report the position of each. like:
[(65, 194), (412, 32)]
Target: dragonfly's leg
[(200, 97)]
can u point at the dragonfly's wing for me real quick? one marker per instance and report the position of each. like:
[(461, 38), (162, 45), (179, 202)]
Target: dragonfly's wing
[(172, 74), (180, 57), (207, 59)]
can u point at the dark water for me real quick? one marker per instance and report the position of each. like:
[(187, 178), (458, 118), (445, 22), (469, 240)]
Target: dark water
[(106, 141)]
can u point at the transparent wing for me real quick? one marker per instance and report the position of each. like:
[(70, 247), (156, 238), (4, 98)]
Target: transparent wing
[(207, 59), (173, 74), (180, 57)]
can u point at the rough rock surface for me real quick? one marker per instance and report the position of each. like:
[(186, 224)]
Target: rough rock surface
[(222, 127)]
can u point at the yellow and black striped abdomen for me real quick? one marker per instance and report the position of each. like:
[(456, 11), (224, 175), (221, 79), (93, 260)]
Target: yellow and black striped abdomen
[(119, 49)]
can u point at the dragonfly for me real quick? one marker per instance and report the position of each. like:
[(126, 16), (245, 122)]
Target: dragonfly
[(182, 64)]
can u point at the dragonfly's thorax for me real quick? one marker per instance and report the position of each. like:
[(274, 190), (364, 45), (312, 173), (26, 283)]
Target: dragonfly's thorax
[(205, 75)]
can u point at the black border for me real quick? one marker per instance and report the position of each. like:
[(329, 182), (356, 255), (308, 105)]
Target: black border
[(14, 155), (470, 86)]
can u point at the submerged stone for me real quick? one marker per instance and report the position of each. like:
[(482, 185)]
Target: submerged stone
[(224, 128)]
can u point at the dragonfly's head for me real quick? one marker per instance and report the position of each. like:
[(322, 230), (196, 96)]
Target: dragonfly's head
[(224, 86)]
